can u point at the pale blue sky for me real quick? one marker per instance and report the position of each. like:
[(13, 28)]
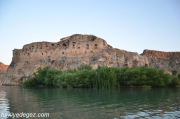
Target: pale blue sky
[(132, 25)]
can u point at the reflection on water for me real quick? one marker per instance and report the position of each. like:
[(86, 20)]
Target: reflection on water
[(92, 103), (4, 106)]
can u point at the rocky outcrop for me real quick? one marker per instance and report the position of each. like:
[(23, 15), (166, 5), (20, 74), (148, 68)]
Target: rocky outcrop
[(3, 68), (160, 54), (168, 61), (69, 53)]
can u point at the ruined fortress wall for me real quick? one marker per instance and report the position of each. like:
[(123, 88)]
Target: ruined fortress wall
[(160, 54), (69, 53)]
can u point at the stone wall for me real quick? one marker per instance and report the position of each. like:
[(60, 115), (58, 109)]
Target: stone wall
[(69, 53)]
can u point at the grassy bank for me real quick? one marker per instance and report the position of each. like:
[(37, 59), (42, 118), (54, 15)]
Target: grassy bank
[(102, 78)]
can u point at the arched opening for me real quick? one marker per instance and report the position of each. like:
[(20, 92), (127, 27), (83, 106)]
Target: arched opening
[(42, 53), (52, 44), (96, 46), (87, 46), (64, 44)]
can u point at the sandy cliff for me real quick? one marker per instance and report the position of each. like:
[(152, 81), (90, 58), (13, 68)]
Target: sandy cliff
[(163, 60), (3, 67), (69, 52)]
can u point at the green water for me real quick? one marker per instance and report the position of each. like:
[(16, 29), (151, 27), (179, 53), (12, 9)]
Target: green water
[(92, 103)]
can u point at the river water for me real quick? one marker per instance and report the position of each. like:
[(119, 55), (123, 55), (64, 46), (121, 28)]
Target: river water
[(125, 103)]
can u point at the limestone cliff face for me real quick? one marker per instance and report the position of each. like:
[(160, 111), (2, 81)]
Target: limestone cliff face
[(163, 60), (69, 53), (3, 67), (160, 54)]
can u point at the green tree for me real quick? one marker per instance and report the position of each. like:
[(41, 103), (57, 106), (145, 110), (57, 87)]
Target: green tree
[(179, 76), (82, 67), (174, 72)]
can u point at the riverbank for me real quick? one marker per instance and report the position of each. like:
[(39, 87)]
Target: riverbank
[(102, 78)]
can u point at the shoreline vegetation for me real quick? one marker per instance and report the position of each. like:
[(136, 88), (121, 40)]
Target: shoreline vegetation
[(102, 78)]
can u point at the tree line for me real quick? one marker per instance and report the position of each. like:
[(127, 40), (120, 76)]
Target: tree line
[(102, 78)]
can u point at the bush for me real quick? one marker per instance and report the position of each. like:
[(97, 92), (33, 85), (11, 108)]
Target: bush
[(30, 82), (82, 67), (105, 78), (179, 76), (80, 79), (175, 81), (50, 75), (174, 72), (145, 86), (102, 78), (93, 37)]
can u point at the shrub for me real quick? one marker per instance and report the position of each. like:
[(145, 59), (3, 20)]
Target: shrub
[(50, 75), (82, 67), (179, 76), (93, 38), (174, 72), (80, 79), (145, 86), (102, 78), (30, 82), (105, 78), (175, 81)]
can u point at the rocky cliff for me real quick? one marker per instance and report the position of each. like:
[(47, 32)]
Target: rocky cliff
[(168, 61), (160, 54), (69, 53), (3, 68)]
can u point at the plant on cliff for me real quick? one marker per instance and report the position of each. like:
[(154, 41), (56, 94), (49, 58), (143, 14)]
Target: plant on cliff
[(93, 37), (82, 67), (174, 72)]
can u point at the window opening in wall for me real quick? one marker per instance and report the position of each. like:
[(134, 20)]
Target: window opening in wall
[(62, 52), (78, 47), (42, 53), (95, 44), (87, 46), (126, 64), (52, 44), (64, 44), (74, 43), (146, 65)]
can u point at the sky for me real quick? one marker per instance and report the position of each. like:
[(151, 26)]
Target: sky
[(132, 25)]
